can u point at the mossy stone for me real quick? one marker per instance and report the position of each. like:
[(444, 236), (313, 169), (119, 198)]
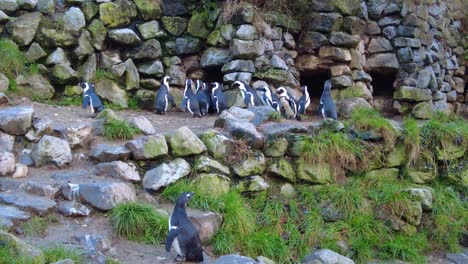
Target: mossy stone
[(396, 157), (424, 110), (98, 33), (89, 9), (149, 9), (450, 151), (227, 31), (174, 25), (208, 165), (297, 145), (277, 77), (117, 14), (71, 90), (276, 148), (458, 173), (64, 74), (218, 145), (253, 165), (418, 176), (197, 26), (185, 143), (282, 168), (252, 184), (313, 173), (215, 39), (155, 146), (214, 184), (384, 174)]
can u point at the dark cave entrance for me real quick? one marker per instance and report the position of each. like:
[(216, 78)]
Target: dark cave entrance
[(382, 90), (314, 81), (213, 74)]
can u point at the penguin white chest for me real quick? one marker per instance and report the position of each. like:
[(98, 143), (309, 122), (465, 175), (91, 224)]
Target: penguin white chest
[(176, 246)]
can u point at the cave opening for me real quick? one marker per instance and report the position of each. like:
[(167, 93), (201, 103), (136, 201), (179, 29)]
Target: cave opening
[(382, 90), (213, 74), (314, 81)]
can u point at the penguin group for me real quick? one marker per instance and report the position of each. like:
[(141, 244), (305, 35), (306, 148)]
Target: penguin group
[(201, 99)]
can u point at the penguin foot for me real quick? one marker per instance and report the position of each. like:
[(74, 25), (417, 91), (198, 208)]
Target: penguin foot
[(179, 258)]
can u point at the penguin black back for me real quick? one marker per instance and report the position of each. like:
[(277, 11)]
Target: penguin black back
[(327, 106), (202, 98), (182, 233), (304, 101), (249, 95), (164, 97), (190, 100), (217, 97)]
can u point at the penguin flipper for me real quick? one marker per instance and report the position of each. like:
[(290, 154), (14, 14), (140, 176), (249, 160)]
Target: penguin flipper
[(86, 101), (170, 238)]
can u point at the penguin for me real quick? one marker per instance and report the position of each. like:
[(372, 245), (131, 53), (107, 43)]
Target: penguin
[(202, 98), (190, 101), (288, 103), (183, 236), (164, 97), (268, 98), (91, 99), (327, 106), (249, 95), (217, 97), (304, 101)]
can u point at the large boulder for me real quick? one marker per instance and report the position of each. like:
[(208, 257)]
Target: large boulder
[(165, 174), (50, 36), (326, 256), (118, 13), (345, 107), (51, 150), (197, 26), (21, 248), (106, 195), (35, 86), (152, 69), (254, 164), (7, 163), (218, 145), (118, 169), (148, 147), (85, 48), (185, 143), (16, 120), (247, 49), (111, 91), (23, 29), (12, 213)]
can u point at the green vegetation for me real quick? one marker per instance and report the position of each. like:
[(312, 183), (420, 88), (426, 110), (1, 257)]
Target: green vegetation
[(115, 129), (275, 117), (9, 256), (60, 252), (38, 225), (111, 261), (13, 60), (139, 222), (132, 105), (103, 74)]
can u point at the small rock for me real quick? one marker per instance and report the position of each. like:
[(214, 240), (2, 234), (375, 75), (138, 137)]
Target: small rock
[(94, 242), (207, 223), (77, 135), (143, 124), (166, 174), (41, 189), (71, 208), (16, 120), (244, 130), (108, 153), (7, 163), (253, 165), (40, 127), (276, 148), (282, 168), (252, 184), (214, 184), (422, 195), (6, 142), (12, 213), (51, 150), (246, 32), (326, 256), (287, 190), (206, 164), (119, 169), (218, 145), (20, 171)]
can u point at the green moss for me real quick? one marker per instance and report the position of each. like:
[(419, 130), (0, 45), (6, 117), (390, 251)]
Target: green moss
[(275, 117), (61, 252), (13, 60), (37, 226)]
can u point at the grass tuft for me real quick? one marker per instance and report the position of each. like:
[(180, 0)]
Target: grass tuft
[(406, 248), (139, 222), (115, 129), (60, 252), (275, 117), (103, 74), (38, 225), (13, 60)]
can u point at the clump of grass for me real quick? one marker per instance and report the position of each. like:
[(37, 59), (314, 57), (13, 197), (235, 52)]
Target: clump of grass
[(200, 200), (369, 119), (275, 117), (337, 150), (103, 74), (111, 261), (115, 129), (32, 69), (70, 101), (12, 87), (38, 225), (13, 60), (133, 104), (406, 248), (139, 222), (412, 141), (60, 252), (9, 256), (266, 243)]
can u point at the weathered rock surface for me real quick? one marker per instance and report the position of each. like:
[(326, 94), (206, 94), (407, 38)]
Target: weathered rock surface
[(16, 120), (21, 248), (118, 169), (51, 150), (254, 165), (326, 256), (252, 184), (143, 124), (72, 208), (36, 204), (166, 174), (108, 153), (234, 258), (106, 195), (185, 143), (7, 163), (212, 183), (206, 164), (218, 145), (148, 147)]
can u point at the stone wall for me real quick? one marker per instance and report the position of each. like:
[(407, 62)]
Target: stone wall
[(126, 46)]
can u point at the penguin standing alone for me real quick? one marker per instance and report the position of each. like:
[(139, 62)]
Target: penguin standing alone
[(202, 98), (217, 97), (91, 99), (164, 97), (304, 101), (190, 100), (327, 106), (183, 236), (249, 95), (288, 104)]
